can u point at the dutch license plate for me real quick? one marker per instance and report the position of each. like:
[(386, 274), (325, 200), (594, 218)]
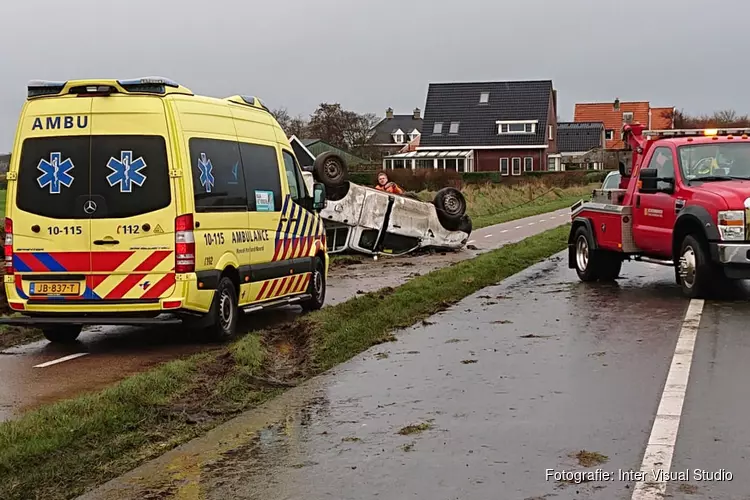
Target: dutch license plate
[(55, 288)]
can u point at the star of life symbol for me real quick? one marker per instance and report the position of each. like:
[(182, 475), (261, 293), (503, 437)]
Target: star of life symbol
[(126, 171), (207, 177), (55, 173)]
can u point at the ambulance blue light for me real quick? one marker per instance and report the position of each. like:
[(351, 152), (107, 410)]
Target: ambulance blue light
[(151, 80), (36, 88)]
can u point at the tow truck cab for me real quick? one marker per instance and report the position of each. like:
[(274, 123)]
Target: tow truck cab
[(684, 202)]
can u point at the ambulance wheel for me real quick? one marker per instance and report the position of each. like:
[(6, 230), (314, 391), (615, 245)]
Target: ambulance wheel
[(62, 334), (224, 312), (330, 169), (695, 268), (585, 257), (316, 288)]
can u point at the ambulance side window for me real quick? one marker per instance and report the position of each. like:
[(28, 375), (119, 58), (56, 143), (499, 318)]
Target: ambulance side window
[(262, 179), (218, 177), (293, 178)]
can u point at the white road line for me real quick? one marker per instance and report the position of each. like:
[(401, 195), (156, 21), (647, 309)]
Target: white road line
[(532, 223), (661, 442), (488, 236), (517, 227), (504, 231), (543, 220), (61, 360), (553, 217)]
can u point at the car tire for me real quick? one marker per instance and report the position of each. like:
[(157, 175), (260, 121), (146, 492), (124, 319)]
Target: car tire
[(224, 313), (585, 257), (62, 334), (466, 225), (695, 267), (316, 288), (330, 169), (450, 205)]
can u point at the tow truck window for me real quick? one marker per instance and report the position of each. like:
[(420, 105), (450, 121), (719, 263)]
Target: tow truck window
[(663, 162), (704, 160)]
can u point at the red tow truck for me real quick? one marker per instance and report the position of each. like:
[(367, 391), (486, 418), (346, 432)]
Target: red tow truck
[(683, 202)]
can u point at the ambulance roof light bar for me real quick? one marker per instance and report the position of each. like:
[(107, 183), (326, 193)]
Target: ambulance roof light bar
[(698, 132)]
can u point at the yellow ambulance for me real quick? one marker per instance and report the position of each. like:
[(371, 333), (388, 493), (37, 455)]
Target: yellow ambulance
[(136, 202)]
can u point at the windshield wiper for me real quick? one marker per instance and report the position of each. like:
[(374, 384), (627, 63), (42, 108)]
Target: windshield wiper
[(711, 178)]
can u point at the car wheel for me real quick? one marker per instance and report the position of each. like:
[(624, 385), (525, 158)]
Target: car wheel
[(62, 334), (224, 312), (696, 270), (450, 205), (330, 169), (466, 225), (585, 258), (316, 288)]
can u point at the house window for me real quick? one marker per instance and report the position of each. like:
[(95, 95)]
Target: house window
[(399, 138), (551, 137), (438, 128), (414, 134), (627, 117), (551, 163), (516, 166), (528, 164), (504, 166), (454, 128), (517, 127), (609, 134), (484, 98)]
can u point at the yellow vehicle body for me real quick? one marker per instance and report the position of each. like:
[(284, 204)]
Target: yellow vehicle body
[(129, 199)]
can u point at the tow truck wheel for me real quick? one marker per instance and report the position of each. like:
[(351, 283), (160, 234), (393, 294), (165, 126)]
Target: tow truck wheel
[(586, 265), (62, 334), (694, 268), (610, 265)]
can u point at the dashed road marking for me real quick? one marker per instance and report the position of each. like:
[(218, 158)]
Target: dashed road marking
[(553, 217), (504, 231), (661, 442), (488, 236), (61, 360), (532, 223), (517, 227), (543, 220)]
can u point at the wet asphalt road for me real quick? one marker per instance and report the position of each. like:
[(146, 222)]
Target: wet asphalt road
[(513, 381), (111, 354)]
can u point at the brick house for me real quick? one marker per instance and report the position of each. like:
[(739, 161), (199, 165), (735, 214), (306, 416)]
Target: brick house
[(509, 127), (394, 132), (615, 114)]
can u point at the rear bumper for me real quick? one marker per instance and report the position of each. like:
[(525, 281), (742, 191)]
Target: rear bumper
[(89, 320), (734, 258)]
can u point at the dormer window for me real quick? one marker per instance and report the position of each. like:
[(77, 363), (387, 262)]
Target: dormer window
[(398, 136), (413, 134), (517, 127), (484, 98), (454, 128), (438, 128)]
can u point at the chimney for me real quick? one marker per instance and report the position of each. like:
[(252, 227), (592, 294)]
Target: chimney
[(416, 114), (389, 113), (617, 104)]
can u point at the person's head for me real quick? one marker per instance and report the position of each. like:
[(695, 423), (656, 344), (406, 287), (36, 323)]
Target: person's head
[(382, 179)]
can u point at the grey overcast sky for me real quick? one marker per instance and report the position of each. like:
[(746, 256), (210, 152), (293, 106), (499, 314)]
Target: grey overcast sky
[(369, 55)]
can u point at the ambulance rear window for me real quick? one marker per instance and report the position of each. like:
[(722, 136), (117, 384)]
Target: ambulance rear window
[(124, 175)]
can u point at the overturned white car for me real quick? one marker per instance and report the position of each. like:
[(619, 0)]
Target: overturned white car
[(371, 221)]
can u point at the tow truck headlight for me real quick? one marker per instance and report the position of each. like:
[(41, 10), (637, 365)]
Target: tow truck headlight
[(732, 225)]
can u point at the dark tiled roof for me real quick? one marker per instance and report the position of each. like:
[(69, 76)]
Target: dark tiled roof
[(578, 137), (388, 126), (459, 102)]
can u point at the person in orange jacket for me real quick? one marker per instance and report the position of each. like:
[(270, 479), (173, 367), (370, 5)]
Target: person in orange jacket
[(385, 185)]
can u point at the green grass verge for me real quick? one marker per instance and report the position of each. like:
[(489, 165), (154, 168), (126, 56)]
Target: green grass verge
[(61, 450), (530, 210)]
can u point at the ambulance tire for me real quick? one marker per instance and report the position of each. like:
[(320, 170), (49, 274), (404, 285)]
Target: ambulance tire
[(62, 334), (224, 313), (316, 288), (330, 169)]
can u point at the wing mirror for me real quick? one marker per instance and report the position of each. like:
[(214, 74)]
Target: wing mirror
[(319, 196), (649, 182)]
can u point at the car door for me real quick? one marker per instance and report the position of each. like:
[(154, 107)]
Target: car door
[(266, 205), (654, 213)]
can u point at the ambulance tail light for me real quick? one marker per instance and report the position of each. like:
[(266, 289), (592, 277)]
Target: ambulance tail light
[(9, 246), (184, 244)]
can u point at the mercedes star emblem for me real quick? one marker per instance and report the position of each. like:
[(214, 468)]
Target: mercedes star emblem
[(89, 207)]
